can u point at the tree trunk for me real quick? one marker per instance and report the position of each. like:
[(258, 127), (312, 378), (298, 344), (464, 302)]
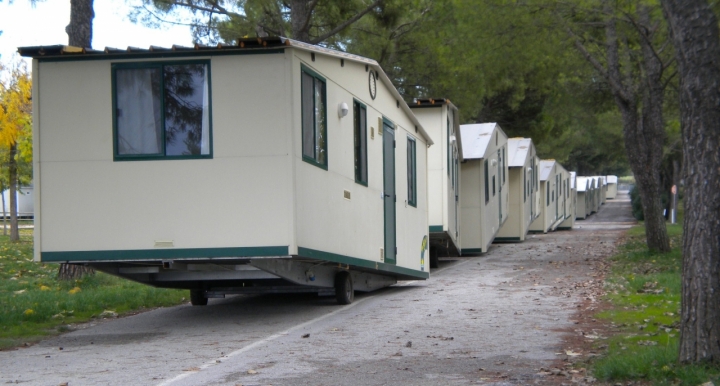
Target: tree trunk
[(300, 20), (12, 177), (696, 37), (80, 28), (643, 131)]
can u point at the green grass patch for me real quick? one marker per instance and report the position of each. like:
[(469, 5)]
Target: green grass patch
[(644, 289), (35, 304)]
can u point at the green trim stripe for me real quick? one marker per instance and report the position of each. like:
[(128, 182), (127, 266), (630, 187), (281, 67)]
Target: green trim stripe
[(436, 228), (157, 55), (161, 254), (507, 239), (336, 258), (471, 250)]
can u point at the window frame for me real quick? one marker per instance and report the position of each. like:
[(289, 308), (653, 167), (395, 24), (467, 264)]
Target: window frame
[(313, 160), (487, 182), (357, 107), (159, 64), (412, 171)]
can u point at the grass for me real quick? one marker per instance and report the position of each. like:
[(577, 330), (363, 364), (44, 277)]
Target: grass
[(34, 304), (644, 290)]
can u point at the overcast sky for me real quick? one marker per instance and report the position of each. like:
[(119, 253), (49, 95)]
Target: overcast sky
[(44, 24)]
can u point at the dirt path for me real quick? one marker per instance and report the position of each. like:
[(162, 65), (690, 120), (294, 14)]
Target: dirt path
[(496, 319)]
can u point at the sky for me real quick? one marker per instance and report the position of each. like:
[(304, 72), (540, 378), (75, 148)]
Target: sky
[(44, 24)]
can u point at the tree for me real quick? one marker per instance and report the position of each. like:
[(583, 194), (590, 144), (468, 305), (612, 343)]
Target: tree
[(636, 68), (15, 123), (79, 30), (696, 37), (310, 21)]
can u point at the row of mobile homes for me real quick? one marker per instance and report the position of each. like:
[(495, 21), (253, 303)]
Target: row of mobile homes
[(522, 169), (321, 165), (25, 199), (570, 194), (612, 185), (550, 210), (483, 185), (440, 119), (582, 209)]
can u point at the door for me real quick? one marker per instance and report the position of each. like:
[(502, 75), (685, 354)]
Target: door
[(389, 193)]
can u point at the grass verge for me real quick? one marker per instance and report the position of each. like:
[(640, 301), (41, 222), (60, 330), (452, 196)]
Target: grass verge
[(644, 290), (34, 304)]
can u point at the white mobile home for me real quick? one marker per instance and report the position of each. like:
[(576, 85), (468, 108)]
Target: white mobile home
[(582, 209), (305, 169), (522, 168), (597, 193), (552, 208), (483, 185), (440, 119), (25, 199), (570, 193), (612, 183)]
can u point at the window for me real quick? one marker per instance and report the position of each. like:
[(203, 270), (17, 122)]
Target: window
[(412, 172), (493, 179), (487, 183), (503, 165), (525, 186), (161, 110), (314, 118), (547, 190), (449, 148), (360, 117)]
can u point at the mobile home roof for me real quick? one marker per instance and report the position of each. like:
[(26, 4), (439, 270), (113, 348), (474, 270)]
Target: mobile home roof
[(582, 184), (518, 151), (546, 166), (612, 179), (572, 180), (243, 46), (476, 138)]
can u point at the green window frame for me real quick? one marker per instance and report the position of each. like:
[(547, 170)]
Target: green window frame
[(361, 161), (162, 110), (525, 186), (412, 171), (314, 117), (487, 183), (547, 190)]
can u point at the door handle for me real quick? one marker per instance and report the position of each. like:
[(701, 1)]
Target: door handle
[(383, 195)]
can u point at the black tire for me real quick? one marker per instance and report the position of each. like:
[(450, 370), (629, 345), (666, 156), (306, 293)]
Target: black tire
[(344, 292), (197, 298), (434, 258)]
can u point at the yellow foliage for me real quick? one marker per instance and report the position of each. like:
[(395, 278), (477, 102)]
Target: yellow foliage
[(15, 103), (44, 288), (29, 312), (74, 290)]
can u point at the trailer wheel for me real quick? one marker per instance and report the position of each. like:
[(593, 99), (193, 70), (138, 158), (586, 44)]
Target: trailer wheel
[(434, 258), (197, 298), (344, 293)]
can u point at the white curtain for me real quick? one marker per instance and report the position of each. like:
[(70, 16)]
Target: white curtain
[(138, 112)]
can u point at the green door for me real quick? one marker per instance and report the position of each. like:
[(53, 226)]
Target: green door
[(389, 193)]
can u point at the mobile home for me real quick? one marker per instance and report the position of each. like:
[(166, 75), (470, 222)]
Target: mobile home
[(582, 209), (25, 199), (440, 119), (570, 193), (552, 209), (612, 183), (305, 169), (483, 185), (522, 167)]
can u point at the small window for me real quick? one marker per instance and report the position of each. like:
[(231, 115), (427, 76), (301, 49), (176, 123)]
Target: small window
[(314, 119), (360, 118), (525, 187), (487, 183), (547, 190), (449, 148), (493, 179), (161, 110), (503, 165), (412, 172)]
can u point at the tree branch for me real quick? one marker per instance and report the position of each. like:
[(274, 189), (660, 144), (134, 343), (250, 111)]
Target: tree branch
[(346, 23)]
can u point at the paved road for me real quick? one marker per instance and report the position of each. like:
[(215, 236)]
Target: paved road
[(490, 319)]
